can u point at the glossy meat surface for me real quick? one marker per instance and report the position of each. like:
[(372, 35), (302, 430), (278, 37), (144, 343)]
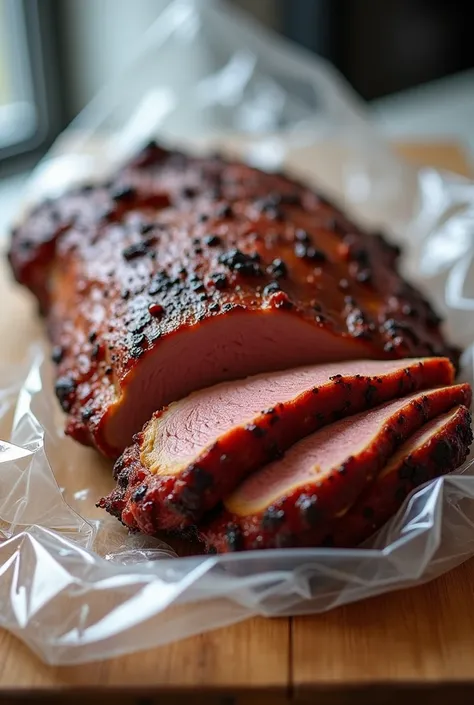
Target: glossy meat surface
[(321, 477), (182, 273), (194, 453)]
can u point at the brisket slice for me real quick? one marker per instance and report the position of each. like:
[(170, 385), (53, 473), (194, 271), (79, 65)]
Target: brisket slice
[(438, 448), (322, 476), (184, 272), (195, 452)]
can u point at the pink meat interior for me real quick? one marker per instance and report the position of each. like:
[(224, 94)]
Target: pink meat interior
[(315, 456), (195, 423), (219, 349)]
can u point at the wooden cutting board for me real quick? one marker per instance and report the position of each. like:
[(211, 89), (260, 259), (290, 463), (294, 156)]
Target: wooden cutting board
[(416, 644)]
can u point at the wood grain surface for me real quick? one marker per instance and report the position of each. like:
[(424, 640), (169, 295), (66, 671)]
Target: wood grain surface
[(415, 644)]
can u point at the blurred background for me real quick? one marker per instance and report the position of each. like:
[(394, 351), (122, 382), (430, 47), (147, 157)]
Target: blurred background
[(411, 60)]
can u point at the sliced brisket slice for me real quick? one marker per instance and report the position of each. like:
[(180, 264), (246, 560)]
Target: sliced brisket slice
[(195, 452), (441, 446), (438, 448), (322, 476)]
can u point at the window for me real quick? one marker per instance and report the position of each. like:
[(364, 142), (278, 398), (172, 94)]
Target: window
[(28, 109)]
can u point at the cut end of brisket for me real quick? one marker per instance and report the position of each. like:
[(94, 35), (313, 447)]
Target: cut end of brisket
[(231, 346), (195, 452)]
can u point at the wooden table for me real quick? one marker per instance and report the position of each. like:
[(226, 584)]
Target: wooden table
[(416, 644)]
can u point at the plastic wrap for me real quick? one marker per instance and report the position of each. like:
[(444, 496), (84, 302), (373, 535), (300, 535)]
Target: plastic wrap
[(73, 585)]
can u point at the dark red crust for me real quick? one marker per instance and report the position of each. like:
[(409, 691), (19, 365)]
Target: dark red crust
[(120, 268), (177, 500), (314, 506)]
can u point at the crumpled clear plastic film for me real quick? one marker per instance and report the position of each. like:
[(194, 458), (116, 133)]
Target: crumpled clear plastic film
[(73, 584)]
